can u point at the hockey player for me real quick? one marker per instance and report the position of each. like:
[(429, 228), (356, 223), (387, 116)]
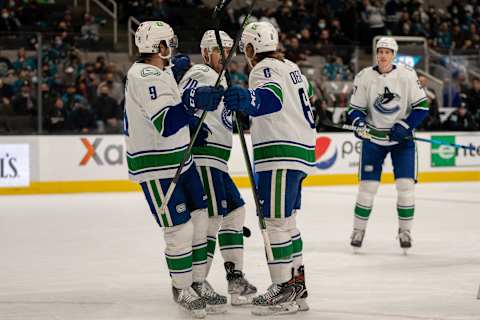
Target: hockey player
[(387, 104), (283, 138), (225, 204), (157, 135)]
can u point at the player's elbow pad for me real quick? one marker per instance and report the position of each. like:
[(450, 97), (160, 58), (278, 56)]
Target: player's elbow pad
[(269, 102), (176, 118)]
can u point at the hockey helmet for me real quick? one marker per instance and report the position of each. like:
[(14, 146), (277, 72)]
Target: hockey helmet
[(149, 34), (388, 43), (209, 41), (261, 35)]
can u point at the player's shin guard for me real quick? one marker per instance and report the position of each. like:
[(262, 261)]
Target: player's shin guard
[(178, 253), (363, 207), (230, 237), (405, 202), (199, 245), (282, 248), (213, 225)]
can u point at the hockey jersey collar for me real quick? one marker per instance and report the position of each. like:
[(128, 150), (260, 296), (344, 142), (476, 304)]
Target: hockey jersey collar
[(377, 68)]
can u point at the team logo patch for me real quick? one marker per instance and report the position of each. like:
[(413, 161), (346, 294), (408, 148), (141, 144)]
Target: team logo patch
[(148, 71), (224, 204), (387, 102), (227, 119), (325, 153), (181, 208)]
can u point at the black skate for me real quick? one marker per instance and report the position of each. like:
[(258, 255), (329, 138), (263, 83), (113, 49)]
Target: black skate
[(240, 290), (190, 302), (279, 299), (405, 239), (357, 239), (301, 290), (216, 303)]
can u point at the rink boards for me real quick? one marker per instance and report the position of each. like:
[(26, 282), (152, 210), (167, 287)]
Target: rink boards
[(96, 163)]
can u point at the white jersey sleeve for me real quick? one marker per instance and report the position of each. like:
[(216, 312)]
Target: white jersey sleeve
[(359, 99), (417, 96)]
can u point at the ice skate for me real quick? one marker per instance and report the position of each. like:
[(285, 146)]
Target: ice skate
[(240, 290), (357, 239), (301, 290), (190, 302), (405, 239), (279, 299), (216, 303)]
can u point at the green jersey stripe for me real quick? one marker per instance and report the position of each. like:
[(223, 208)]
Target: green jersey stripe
[(146, 161), (158, 121), (283, 151), (275, 89), (223, 154)]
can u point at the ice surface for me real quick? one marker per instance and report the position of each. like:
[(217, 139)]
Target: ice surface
[(100, 256)]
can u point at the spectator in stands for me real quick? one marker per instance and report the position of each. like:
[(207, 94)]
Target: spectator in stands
[(237, 77), (23, 103), (48, 97), (335, 70), (107, 111), (321, 115), (324, 46), (90, 31), (473, 98), (81, 118), (293, 50), (461, 120), (11, 78), (444, 37), (57, 117), (6, 90), (432, 122), (24, 62), (373, 17), (71, 97), (6, 107), (5, 64), (8, 21), (115, 88)]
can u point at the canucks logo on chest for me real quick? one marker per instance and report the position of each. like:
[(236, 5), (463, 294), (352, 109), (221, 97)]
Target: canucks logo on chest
[(387, 102), (227, 118)]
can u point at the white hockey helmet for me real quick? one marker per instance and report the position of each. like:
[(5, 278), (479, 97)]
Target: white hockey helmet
[(389, 43), (149, 34), (210, 42), (261, 35)]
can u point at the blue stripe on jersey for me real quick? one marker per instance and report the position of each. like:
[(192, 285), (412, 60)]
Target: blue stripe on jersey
[(416, 117), (176, 118), (269, 102)]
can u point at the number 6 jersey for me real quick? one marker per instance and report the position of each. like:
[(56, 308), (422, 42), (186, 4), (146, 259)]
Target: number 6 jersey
[(284, 139)]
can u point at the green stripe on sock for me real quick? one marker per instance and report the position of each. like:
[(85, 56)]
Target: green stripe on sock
[(156, 195), (211, 246), (278, 193), (405, 213), (177, 264), (362, 212), (206, 185), (199, 254), (230, 239), (283, 252), (297, 246)]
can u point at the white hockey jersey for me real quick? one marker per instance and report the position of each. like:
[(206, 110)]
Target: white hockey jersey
[(219, 143), (386, 98), (148, 92), (284, 139)]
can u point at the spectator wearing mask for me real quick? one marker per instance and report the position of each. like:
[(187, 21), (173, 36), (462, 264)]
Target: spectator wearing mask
[(23, 103), (71, 97), (107, 111), (432, 122), (23, 62), (82, 119), (90, 31), (115, 88), (57, 116), (461, 120)]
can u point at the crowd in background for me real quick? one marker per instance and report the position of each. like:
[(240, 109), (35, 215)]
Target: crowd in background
[(87, 95)]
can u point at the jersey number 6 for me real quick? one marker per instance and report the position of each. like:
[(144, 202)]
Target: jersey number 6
[(307, 109)]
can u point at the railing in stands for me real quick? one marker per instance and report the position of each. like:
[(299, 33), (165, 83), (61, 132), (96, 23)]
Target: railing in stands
[(131, 33), (113, 13)]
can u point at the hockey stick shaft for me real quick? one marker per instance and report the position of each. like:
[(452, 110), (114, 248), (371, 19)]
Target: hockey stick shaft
[(188, 151), (246, 156), (431, 141)]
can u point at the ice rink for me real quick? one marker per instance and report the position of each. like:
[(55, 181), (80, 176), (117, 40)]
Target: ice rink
[(99, 256)]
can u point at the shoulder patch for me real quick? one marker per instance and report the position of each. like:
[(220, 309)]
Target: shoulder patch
[(150, 71), (201, 67)]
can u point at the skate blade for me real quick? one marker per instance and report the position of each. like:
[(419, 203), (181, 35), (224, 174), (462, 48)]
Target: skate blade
[(282, 308), (405, 251), (356, 250), (238, 300), (198, 314), (216, 309), (302, 305)]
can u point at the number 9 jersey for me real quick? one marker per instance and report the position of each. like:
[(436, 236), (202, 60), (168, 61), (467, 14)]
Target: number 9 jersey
[(284, 139)]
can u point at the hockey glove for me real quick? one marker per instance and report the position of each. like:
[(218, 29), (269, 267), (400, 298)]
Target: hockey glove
[(400, 131), (181, 63), (205, 98), (361, 129), (241, 99), (201, 140)]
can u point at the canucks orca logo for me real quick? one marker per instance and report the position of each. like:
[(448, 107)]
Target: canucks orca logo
[(382, 101), (227, 118)]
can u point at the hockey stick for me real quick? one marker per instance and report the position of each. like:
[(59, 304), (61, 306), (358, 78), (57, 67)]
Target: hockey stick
[(431, 141), (188, 151), (246, 156)]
